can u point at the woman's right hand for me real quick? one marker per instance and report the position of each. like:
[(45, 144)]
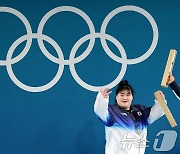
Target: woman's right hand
[(105, 92)]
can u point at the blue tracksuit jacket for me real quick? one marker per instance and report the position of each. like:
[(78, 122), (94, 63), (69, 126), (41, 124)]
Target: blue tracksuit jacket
[(125, 131)]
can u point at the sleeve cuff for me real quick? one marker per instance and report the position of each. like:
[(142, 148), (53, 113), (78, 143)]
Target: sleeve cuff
[(100, 97)]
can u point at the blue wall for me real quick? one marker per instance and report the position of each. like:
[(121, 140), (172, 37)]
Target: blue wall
[(59, 118)]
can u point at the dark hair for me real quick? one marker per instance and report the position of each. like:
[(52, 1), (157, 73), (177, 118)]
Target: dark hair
[(124, 85)]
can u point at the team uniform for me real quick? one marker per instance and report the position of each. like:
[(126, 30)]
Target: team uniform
[(125, 131), (176, 88)]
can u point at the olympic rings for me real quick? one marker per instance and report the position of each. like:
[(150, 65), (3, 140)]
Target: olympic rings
[(70, 9), (113, 40), (72, 59), (150, 19), (28, 29), (29, 88)]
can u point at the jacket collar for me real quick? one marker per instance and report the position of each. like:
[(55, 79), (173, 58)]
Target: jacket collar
[(126, 111)]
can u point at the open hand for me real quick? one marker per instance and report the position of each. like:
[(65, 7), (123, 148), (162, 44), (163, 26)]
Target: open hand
[(105, 92)]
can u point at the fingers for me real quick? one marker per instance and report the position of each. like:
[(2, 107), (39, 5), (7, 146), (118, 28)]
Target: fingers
[(170, 78), (104, 89), (105, 92), (109, 93), (162, 95)]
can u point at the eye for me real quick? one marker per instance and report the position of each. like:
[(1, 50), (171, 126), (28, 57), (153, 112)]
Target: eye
[(128, 94), (120, 94)]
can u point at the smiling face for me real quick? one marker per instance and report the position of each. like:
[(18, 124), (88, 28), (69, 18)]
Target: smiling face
[(124, 98)]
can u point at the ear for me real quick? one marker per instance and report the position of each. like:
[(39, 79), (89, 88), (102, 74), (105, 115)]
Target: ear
[(116, 97)]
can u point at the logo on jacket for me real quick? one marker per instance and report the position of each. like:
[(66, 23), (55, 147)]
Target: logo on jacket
[(125, 114), (139, 113)]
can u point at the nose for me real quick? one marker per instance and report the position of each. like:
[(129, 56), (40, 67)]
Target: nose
[(125, 97)]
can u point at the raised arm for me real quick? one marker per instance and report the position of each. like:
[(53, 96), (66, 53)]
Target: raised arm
[(156, 111), (101, 105), (174, 86)]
